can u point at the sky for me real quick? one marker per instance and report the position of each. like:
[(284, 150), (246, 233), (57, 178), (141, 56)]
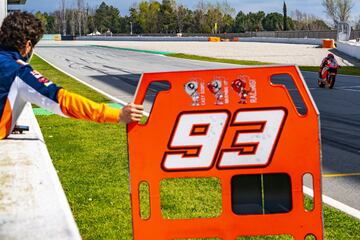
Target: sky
[(309, 6)]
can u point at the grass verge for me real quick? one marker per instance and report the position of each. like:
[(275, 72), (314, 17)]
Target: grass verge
[(220, 60), (92, 163), (347, 70)]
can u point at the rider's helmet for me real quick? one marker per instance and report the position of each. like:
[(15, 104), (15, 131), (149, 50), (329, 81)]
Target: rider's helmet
[(330, 56)]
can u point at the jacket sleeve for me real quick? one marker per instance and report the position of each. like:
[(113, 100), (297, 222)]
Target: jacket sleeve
[(37, 89), (76, 106)]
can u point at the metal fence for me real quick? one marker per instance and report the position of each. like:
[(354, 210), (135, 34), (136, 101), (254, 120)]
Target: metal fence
[(332, 34), (202, 37)]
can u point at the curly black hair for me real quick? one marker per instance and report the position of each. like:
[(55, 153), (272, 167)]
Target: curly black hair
[(18, 28)]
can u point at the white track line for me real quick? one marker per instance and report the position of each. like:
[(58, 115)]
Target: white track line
[(351, 90), (329, 201), (342, 87), (333, 203)]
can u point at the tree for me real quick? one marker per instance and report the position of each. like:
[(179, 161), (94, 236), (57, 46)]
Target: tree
[(50, 24), (134, 20), (125, 24), (70, 22), (201, 24), (291, 24), (338, 10), (357, 24), (213, 17), (42, 18), (167, 16), (285, 17), (304, 21), (63, 15), (227, 21), (57, 21), (148, 16), (228, 24), (249, 22), (91, 24), (184, 19), (273, 22), (80, 15), (107, 18), (318, 24), (255, 21), (241, 22)]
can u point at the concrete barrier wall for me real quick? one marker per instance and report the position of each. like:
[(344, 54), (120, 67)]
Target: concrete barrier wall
[(276, 34), (312, 41), (53, 37), (350, 48), (33, 205), (143, 38)]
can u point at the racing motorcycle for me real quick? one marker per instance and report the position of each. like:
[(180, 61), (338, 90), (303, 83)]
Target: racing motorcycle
[(329, 73)]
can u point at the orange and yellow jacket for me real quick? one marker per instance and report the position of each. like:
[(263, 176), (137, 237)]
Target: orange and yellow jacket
[(19, 84)]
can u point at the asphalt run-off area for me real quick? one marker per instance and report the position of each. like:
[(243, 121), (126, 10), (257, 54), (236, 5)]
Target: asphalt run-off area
[(117, 72)]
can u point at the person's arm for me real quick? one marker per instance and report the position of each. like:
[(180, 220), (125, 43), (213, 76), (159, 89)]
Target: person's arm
[(37, 89), (323, 63), (336, 63), (76, 106)]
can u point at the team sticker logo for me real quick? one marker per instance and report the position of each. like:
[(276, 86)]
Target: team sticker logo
[(41, 78), (244, 87), (215, 88), (191, 88), (239, 86)]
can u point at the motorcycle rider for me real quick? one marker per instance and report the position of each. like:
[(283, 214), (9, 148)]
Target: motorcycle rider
[(329, 59), (19, 83)]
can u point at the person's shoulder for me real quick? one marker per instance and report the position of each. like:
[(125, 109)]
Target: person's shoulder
[(8, 64), (23, 66), (12, 57), (22, 63), (9, 69)]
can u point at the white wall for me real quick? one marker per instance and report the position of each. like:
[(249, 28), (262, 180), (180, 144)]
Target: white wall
[(313, 41), (350, 48), (3, 10), (35, 206)]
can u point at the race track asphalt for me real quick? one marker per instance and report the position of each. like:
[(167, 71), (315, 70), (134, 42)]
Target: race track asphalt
[(117, 73)]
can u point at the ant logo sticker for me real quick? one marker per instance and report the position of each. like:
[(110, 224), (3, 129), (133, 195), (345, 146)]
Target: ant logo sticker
[(215, 88), (239, 86), (191, 89)]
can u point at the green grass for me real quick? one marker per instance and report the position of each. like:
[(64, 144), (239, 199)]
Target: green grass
[(347, 70), (184, 198), (211, 59), (92, 163)]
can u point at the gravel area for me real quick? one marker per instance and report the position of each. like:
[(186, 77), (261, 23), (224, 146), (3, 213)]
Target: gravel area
[(300, 54)]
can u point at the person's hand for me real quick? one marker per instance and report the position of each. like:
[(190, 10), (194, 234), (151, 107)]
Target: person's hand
[(131, 113)]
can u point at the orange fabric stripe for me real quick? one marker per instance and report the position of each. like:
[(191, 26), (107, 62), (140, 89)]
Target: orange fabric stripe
[(76, 106), (6, 120)]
